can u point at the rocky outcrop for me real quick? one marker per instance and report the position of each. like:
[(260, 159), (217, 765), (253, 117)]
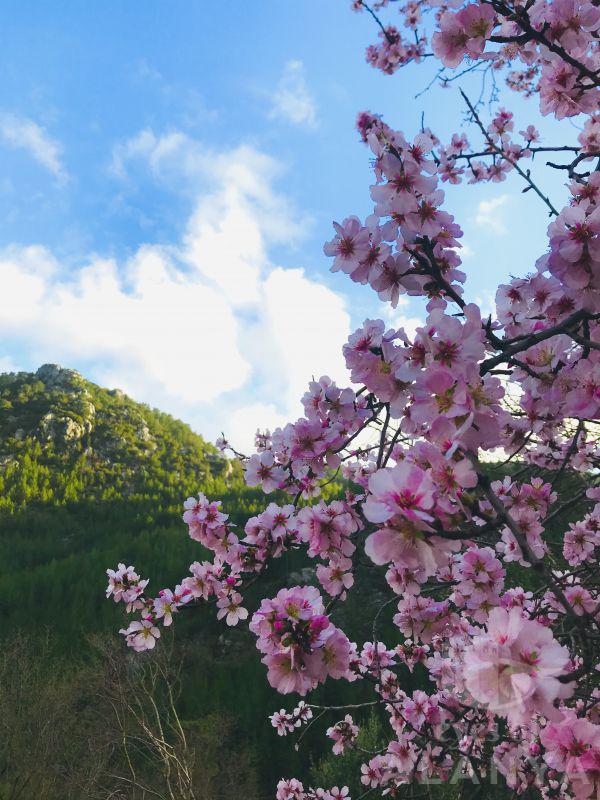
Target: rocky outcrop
[(63, 429), (58, 426), (55, 375)]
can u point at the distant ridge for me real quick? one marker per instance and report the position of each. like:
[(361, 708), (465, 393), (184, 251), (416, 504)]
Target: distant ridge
[(63, 438)]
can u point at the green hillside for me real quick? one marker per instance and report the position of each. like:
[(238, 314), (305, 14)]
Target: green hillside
[(88, 478), (64, 439)]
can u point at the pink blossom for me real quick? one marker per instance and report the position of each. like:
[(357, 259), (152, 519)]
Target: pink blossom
[(373, 772), (404, 490), (463, 33), (350, 245), (572, 747), (141, 635), (282, 722), (343, 733), (290, 790), (166, 604), (231, 609), (513, 667), (261, 470), (336, 577)]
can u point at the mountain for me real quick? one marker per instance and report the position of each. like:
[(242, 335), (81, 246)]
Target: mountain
[(62, 438), (88, 478)]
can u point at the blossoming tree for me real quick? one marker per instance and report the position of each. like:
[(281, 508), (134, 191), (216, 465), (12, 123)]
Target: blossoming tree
[(512, 670)]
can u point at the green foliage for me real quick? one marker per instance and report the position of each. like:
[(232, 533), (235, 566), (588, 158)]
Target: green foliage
[(76, 500), (64, 440), (88, 478), (107, 726), (333, 770)]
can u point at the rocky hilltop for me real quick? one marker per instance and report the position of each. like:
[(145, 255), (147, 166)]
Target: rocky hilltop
[(64, 438)]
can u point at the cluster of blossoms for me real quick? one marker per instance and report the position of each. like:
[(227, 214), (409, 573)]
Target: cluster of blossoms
[(391, 255), (487, 571), (344, 734), (285, 722), (572, 749), (126, 586), (551, 47), (480, 577), (513, 667), (292, 458), (301, 646), (582, 538), (294, 790)]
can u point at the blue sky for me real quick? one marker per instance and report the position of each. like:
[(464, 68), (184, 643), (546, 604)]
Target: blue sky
[(170, 172)]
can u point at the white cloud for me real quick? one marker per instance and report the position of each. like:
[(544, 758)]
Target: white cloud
[(206, 327), (465, 252), (146, 321), (490, 216), (246, 420), (22, 133), (308, 324), (244, 176), (292, 100)]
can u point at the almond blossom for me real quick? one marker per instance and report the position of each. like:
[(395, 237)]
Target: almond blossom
[(457, 470), (513, 667)]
